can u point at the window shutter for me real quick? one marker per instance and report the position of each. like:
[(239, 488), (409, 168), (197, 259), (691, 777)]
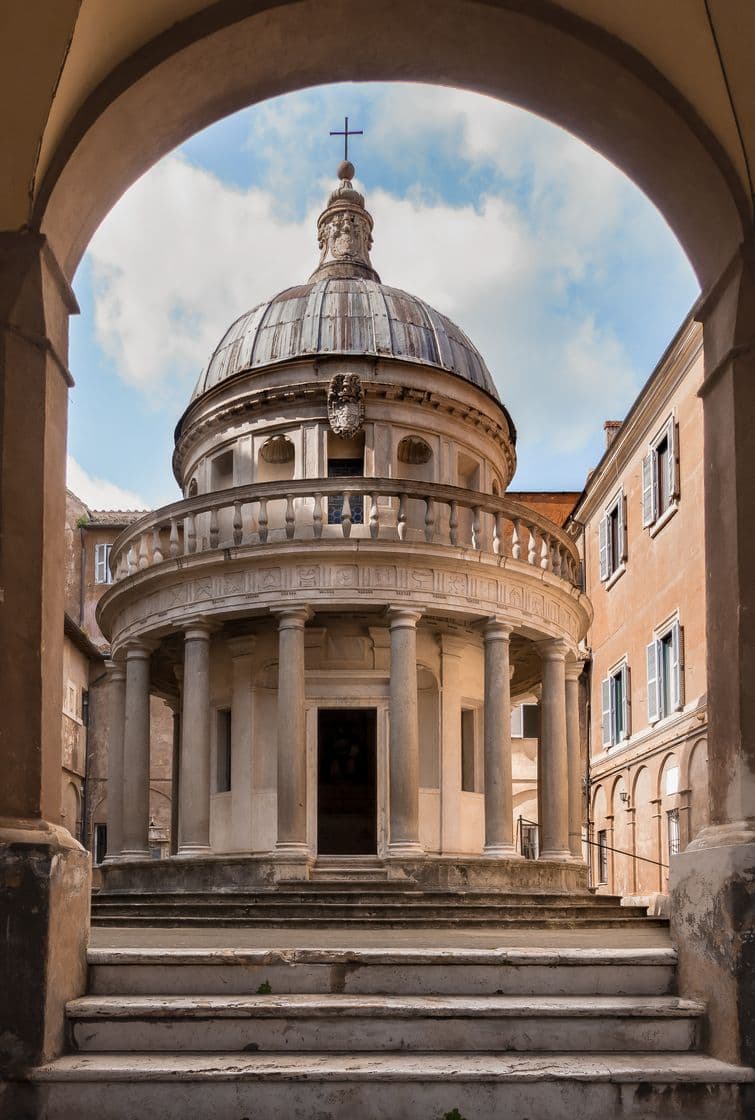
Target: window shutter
[(607, 714), (649, 467), (623, 551), (677, 667), (652, 662), (99, 562), (604, 554), (673, 460), (517, 721), (626, 703)]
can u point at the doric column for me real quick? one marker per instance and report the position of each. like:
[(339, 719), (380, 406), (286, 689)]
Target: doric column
[(499, 793), (242, 740), (553, 768), (136, 753), (451, 650), (116, 716), (175, 781), (292, 746), (194, 773), (404, 734), (573, 671)]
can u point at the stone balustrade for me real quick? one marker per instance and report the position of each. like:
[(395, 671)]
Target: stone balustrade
[(348, 508)]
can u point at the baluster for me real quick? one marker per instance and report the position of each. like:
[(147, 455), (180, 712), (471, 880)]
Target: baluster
[(429, 520), (346, 514), (190, 534), (262, 521), (532, 550), (374, 517), (143, 551), (290, 517), (174, 545), (401, 523), (516, 540), (557, 552), (214, 528), (453, 523), (317, 517), (476, 531), (131, 560), (238, 524), (545, 551), (498, 534), (157, 547)]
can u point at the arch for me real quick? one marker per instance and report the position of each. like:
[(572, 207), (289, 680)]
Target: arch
[(414, 450), (543, 59), (696, 781), (669, 759)]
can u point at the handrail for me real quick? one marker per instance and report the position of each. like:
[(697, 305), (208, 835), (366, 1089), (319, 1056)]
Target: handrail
[(621, 852), (530, 537)]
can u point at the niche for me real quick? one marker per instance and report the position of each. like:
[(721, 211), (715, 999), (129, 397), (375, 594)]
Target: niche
[(222, 471), (277, 459)]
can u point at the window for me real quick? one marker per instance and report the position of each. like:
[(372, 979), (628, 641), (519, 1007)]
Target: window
[(102, 573), (223, 741), (468, 744), (345, 468), (525, 721), (674, 837), (660, 476), (100, 842), (613, 538), (72, 696), (603, 856), (616, 706), (529, 832), (665, 664)]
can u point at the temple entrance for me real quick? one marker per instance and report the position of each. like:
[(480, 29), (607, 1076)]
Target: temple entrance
[(346, 781)]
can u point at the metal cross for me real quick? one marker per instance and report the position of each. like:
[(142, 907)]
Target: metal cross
[(346, 134)]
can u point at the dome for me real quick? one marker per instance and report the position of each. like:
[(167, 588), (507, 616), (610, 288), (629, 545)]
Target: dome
[(345, 315)]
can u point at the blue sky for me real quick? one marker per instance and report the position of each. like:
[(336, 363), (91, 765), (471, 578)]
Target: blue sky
[(557, 267)]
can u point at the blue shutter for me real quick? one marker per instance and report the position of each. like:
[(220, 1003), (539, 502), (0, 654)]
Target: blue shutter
[(607, 724), (654, 713), (649, 489), (604, 530), (677, 667), (626, 703), (673, 460)]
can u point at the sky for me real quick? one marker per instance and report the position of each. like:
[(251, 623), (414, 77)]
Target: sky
[(562, 273)]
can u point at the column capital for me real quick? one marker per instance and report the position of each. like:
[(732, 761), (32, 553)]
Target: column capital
[(139, 650), (402, 618), (199, 629), (116, 670), (496, 630), (294, 617), (574, 666), (553, 649)]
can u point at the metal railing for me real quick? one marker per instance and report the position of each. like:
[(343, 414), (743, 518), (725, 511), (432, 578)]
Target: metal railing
[(525, 829)]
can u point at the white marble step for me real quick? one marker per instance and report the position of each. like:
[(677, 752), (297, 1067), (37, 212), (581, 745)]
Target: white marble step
[(401, 1086), (399, 971), (318, 1023)]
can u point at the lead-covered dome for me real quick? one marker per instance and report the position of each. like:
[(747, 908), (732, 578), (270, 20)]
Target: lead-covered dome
[(353, 315), (344, 309)]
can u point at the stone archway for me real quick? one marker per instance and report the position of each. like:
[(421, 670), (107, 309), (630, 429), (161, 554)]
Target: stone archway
[(222, 58)]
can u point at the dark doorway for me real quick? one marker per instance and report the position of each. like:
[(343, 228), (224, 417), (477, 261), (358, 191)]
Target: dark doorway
[(346, 781)]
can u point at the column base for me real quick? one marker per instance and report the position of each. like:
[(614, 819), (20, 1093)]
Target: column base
[(712, 900), (563, 855), (501, 851), (406, 849), (192, 851), (133, 853), (724, 835), (44, 918)]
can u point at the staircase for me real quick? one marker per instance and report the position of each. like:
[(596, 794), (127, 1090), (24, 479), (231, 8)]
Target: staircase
[(400, 1033), (361, 898)]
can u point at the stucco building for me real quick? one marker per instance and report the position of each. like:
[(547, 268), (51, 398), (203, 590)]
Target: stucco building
[(642, 535)]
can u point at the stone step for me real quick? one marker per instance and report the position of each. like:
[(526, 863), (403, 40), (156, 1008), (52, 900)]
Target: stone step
[(306, 891), (377, 908), (397, 971), (325, 1023), (175, 919), (373, 1086)]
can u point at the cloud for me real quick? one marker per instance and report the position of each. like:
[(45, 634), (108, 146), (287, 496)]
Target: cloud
[(98, 493), (526, 256)]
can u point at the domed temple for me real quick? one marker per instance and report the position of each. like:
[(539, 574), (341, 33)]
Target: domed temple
[(343, 608)]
